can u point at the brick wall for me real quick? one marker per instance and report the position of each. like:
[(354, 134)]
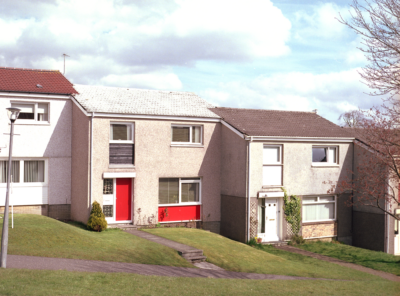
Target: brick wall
[(319, 229), (60, 212), (36, 209)]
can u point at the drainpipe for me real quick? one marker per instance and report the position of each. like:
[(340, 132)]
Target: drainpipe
[(248, 187), (91, 160)]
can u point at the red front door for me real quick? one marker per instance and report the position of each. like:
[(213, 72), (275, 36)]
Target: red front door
[(124, 198)]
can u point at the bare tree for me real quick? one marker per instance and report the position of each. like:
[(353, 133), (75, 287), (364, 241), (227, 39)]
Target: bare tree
[(378, 23), (376, 174), (351, 118)]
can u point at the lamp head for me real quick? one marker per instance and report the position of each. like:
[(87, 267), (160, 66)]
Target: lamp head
[(13, 113)]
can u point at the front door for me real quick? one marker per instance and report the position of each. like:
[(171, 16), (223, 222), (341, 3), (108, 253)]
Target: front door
[(268, 219), (123, 199)]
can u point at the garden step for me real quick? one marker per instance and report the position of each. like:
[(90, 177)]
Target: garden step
[(195, 258)]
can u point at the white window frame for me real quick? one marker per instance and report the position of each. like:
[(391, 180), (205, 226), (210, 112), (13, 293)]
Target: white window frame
[(318, 202), (35, 108), (131, 124), (21, 182), (279, 163), (190, 143), (328, 161), (188, 181)]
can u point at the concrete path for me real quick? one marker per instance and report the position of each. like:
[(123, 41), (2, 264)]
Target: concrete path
[(44, 263), (385, 275)]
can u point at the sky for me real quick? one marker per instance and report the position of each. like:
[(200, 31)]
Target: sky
[(265, 54)]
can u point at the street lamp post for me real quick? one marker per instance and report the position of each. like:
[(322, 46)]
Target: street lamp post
[(12, 115)]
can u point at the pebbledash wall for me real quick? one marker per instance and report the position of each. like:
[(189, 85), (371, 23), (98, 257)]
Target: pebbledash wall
[(155, 158), (300, 178), (48, 141)]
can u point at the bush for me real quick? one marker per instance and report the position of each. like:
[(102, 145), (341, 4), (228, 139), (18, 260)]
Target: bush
[(97, 220), (296, 240)]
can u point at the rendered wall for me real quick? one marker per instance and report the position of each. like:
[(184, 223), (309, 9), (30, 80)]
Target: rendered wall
[(80, 203), (49, 141), (155, 158)]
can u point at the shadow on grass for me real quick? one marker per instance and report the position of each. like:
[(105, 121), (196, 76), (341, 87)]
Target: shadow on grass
[(84, 227)]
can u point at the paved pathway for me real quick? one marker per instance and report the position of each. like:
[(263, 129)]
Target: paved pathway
[(45, 263), (385, 275)]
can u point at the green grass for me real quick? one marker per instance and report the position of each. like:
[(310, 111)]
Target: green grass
[(372, 259), (36, 235), (235, 256), (38, 282)]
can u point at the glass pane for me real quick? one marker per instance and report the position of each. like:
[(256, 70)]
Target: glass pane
[(326, 211), (108, 211), (332, 155), (310, 199), (310, 212), (180, 134), (34, 171), (42, 112), (261, 215), (271, 155), (168, 192), (121, 132), (319, 154), (196, 133), (272, 175), (190, 192), (27, 111), (326, 198), (108, 186), (14, 171)]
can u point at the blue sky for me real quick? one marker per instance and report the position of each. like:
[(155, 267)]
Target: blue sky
[(283, 54)]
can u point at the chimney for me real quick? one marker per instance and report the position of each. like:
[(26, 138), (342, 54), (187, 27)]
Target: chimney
[(315, 111)]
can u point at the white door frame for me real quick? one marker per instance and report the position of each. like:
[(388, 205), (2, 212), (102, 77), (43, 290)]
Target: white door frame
[(278, 221)]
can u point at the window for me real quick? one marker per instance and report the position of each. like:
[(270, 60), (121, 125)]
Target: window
[(4, 171), (319, 208), (121, 133), (32, 111), (272, 165), (179, 191), (186, 134), (108, 186), (24, 171), (324, 155), (121, 144)]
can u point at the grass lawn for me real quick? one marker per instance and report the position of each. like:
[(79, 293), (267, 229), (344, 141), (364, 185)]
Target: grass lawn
[(367, 258), (235, 256), (36, 235), (38, 282)]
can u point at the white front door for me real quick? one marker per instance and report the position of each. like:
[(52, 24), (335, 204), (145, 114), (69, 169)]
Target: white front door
[(268, 219)]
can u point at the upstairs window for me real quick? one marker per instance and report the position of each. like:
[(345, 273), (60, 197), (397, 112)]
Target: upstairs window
[(187, 134), (32, 111), (324, 155), (272, 165), (121, 147)]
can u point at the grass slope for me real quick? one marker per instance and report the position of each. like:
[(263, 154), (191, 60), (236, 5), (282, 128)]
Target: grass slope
[(36, 235), (38, 282), (235, 256), (367, 258)]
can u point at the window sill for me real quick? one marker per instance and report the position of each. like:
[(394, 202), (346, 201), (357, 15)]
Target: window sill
[(180, 205), (271, 186), (121, 166), (188, 145), (318, 222), (325, 165), (20, 122)]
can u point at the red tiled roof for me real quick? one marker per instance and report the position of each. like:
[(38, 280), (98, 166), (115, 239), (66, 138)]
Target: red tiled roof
[(258, 122), (34, 81)]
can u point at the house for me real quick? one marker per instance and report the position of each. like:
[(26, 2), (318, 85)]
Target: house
[(41, 170), (265, 150), (146, 156)]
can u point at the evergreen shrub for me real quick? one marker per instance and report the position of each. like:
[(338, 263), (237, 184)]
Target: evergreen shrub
[(97, 220)]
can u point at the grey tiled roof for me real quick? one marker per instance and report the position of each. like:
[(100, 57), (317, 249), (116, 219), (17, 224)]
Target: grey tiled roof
[(273, 123), (140, 101)]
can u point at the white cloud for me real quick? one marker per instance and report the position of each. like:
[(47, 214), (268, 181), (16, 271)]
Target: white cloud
[(331, 93)]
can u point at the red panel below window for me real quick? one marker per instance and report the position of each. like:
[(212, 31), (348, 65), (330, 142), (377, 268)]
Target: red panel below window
[(180, 213)]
